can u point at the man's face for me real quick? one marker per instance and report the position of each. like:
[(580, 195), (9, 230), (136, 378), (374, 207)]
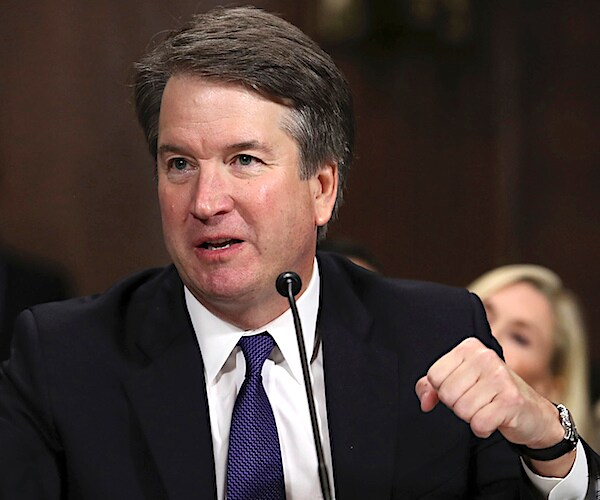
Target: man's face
[(235, 213)]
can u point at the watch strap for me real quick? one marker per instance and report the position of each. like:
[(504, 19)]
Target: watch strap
[(568, 443)]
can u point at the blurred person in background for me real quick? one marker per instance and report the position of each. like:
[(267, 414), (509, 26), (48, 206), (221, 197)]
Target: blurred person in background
[(539, 324)]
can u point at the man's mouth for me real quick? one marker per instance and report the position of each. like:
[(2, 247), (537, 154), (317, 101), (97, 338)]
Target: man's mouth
[(219, 244)]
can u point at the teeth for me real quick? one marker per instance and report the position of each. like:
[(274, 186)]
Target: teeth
[(220, 247)]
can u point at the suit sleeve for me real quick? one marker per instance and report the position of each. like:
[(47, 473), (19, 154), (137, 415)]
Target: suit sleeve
[(30, 456), (495, 465)]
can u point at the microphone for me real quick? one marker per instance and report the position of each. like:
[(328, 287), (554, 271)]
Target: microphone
[(284, 280), (289, 284)]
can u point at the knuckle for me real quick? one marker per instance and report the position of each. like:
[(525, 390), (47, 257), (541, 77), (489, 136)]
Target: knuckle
[(513, 397), (433, 378), (500, 376), (472, 343), (481, 427), (488, 357), (448, 395), (463, 410)]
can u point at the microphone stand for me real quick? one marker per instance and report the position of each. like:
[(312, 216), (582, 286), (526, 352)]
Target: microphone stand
[(288, 285)]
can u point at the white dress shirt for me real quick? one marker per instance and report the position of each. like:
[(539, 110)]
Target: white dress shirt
[(225, 366), (224, 370), (572, 487)]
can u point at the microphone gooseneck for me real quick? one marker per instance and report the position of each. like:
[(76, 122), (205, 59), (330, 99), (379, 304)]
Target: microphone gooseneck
[(289, 285)]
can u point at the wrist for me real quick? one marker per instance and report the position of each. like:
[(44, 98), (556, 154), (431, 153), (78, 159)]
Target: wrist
[(558, 468), (566, 440)]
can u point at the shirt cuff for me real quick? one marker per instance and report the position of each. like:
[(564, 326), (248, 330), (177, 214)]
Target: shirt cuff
[(572, 487)]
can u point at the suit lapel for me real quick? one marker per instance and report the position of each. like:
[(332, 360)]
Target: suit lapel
[(169, 394), (361, 383)]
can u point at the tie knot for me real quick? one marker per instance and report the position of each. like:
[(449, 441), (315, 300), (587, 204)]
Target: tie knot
[(256, 349)]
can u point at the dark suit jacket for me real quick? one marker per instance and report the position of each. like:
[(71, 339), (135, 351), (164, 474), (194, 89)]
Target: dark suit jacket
[(23, 283), (105, 398)]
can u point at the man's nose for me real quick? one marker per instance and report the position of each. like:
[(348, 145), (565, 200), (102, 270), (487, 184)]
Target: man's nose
[(212, 195)]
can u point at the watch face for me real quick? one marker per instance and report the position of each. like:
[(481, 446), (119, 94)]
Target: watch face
[(568, 424)]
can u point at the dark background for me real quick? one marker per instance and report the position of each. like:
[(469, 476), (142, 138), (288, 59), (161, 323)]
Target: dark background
[(477, 134)]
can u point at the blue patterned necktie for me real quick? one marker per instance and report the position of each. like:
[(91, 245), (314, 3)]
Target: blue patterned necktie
[(254, 470)]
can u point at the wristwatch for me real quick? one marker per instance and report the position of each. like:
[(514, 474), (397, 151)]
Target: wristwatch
[(568, 443)]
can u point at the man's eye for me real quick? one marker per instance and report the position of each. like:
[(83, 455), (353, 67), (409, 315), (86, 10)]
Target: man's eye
[(246, 160), (178, 163)]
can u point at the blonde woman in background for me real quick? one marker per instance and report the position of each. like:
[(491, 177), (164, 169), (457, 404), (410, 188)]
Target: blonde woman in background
[(539, 325)]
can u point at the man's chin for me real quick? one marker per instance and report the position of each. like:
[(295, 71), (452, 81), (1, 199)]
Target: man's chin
[(224, 290)]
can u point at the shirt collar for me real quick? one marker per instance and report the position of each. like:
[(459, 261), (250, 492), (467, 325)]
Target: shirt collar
[(217, 338)]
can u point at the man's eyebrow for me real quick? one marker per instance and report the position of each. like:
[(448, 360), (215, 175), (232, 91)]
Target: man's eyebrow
[(230, 148), (256, 145), (170, 148)]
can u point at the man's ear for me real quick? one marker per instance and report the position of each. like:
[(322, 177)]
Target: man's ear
[(324, 186)]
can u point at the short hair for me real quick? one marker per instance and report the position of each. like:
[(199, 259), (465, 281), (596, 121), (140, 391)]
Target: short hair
[(270, 56), (569, 359)]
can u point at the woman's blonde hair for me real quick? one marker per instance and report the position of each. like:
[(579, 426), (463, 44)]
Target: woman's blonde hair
[(570, 356)]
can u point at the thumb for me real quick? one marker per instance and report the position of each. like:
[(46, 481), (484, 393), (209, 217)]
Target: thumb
[(427, 394)]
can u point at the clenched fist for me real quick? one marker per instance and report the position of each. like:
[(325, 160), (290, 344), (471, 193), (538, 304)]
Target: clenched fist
[(475, 383)]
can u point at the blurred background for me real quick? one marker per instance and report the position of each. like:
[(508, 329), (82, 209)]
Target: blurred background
[(477, 135)]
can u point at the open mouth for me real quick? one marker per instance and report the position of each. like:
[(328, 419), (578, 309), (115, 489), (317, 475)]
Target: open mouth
[(219, 244)]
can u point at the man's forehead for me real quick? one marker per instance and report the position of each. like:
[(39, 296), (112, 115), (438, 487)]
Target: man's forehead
[(181, 87), (251, 88)]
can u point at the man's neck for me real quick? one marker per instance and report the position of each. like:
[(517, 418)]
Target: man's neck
[(250, 317)]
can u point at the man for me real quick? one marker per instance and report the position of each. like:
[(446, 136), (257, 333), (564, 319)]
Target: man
[(134, 394)]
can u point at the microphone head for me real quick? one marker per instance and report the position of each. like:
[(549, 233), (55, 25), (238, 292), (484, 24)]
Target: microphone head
[(284, 279)]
